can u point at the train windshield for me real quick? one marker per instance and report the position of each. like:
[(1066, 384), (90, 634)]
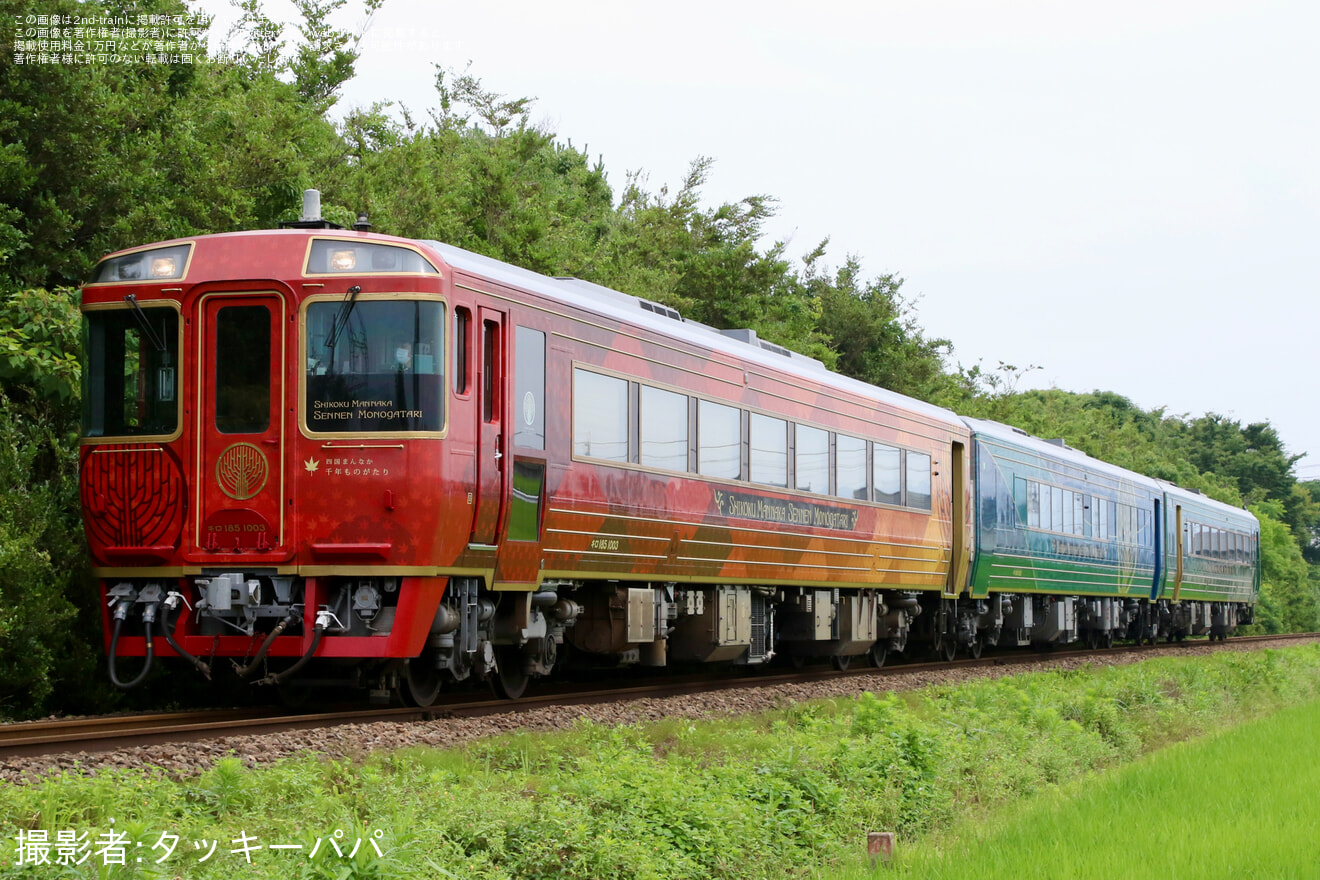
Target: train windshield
[(130, 372), (375, 365)]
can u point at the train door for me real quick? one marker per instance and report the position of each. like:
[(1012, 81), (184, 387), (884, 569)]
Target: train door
[(1157, 528), (491, 461), (240, 479), (956, 579)]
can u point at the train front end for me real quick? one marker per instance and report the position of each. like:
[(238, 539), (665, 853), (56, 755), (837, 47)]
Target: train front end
[(262, 477)]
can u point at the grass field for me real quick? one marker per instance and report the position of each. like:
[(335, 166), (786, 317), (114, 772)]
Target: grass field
[(1243, 803), (782, 794)]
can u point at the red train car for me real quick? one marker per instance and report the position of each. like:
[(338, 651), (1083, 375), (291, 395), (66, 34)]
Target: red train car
[(346, 458)]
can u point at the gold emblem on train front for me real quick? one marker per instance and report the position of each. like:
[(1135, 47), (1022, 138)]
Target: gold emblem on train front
[(241, 471)]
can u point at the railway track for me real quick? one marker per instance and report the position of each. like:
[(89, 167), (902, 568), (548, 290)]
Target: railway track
[(100, 734)]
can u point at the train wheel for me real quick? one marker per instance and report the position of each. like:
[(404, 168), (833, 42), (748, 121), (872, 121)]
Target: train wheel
[(878, 654), (1107, 640), (421, 682), (948, 648), (797, 661), (511, 677), (1092, 639), (841, 661), (293, 694), (974, 649)]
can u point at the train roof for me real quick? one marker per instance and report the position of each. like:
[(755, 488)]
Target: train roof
[(1057, 450), (741, 344), (1196, 499)]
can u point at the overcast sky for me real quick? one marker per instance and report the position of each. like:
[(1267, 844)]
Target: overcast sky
[(1118, 193)]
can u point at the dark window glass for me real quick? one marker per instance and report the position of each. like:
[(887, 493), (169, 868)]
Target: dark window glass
[(375, 365), (811, 456), (600, 416), (664, 429), (888, 475), (918, 480), (462, 344), (130, 375), (490, 364), (719, 440), (525, 500), (529, 389), (242, 370)]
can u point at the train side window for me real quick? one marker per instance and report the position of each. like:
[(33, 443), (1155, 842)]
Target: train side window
[(529, 388), (850, 467), (886, 468), (664, 429), (490, 361), (811, 459), (1067, 506), (918, 480), (768, 463), (600, 416), (525, 500), (719, 441), (1045, 519), (462, 346), (242, 369), (1033, 505)]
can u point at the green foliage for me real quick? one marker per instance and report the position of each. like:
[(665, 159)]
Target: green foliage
[(39, 342), (768, 796)]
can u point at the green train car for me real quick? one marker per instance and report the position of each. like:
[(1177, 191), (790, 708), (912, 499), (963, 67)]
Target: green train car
[(1070, 548)]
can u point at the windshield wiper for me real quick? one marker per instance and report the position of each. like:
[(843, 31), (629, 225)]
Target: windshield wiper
[(141, 317), (341, 317)]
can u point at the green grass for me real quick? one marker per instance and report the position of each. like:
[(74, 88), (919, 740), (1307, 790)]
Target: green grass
[(781, 794), (1242, 803)]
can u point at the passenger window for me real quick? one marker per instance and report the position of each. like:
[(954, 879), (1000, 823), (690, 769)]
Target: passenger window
[(918, 480), (664, 429), (811, 455), (769, 451), (719, 441), (600, 416), (850, 467), (887, 471)]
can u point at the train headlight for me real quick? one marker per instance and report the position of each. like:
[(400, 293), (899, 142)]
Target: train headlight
[(164, 267), (343, 261), (155, 264)]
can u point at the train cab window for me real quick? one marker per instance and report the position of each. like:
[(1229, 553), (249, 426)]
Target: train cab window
[(529, 388), (375, 365), (719, 440), (130, 372), (600, 416), (850, 467), (768, 463), (242, 369), (918, 480), (664, 429), (811, 457), (888, 474)]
